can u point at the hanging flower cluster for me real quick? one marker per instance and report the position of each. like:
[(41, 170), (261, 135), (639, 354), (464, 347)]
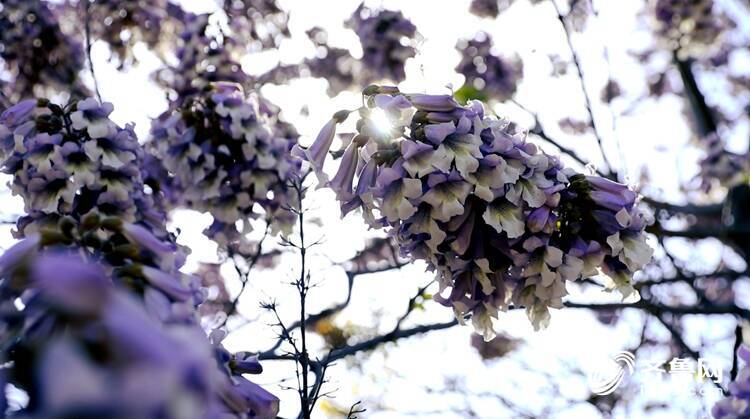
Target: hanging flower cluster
[(257, 24), (502, 223), (78, 327), (124, 23), (386, 37), (71, 163), (36, 52), (98, 275), (737, 405), (387, 42), (227, 159), (486, 73), (690, 26), (336, 65), (201, 60)]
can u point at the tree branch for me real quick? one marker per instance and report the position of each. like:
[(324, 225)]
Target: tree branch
[(704, 118), (584, 89)]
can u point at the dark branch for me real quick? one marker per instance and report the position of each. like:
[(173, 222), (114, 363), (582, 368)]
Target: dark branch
[(704, 118)]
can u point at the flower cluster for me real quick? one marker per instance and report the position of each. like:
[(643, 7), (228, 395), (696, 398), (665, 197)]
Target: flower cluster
[(336, 65), (77, 326), (227, 158), (690, 26), (502, 223), (737, 405), (257, 24), (35, 51), (201, 60), (72, 162), (487, 73), (124, 23), (386, 38), (98, 274)]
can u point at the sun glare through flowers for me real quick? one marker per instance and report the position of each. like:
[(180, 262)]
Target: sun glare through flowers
[(381, 121)]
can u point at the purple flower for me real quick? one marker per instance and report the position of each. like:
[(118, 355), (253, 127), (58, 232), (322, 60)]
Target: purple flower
[(257, 24), (486, 72), (18, 254), (98, 269), (500, 222), (123, 24), (385, 36), (70, 285), (433, 103), (737, 405), (263, 404), (36, 51), (19, 112), (317, 152), (485, 8), (693, 27), (229, 155), (342, 181)]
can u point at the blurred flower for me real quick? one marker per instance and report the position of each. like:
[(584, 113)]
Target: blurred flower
[(36, 53), (610, 91), (497, 347), (721, 166), (492, 8), (501, 223), (336, 65), (485, 8), (386, 38), (124, 23), (202, 60), (486, 72), (123, 362), (573, 126), (218, 299), (104, 303), (691, 27), (256, 24), (737, 405)]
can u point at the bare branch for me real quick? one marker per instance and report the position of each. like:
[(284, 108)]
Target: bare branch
[(584, 89)]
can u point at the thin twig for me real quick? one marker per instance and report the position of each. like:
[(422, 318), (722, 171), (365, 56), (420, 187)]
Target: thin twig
[(245, 276), (87, 30), (584, 89)]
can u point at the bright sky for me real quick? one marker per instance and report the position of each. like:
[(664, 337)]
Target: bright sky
[(399, 378)]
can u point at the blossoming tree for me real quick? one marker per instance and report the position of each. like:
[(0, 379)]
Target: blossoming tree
[(149, 272)]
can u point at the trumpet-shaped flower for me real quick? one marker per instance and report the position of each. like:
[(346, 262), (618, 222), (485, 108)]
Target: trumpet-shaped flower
[(501, 223)]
